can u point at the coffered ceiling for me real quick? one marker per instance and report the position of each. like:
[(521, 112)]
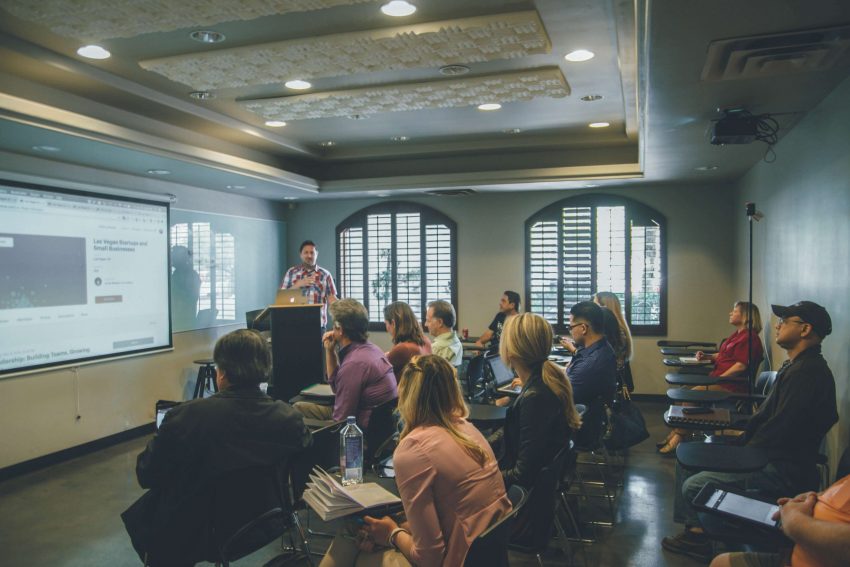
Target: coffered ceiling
[(393, 102)]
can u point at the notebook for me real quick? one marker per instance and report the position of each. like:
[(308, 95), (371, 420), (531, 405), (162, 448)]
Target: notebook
[(331, 500), (719, 417), (318, 391)]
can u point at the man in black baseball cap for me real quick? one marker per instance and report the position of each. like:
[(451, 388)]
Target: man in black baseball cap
[(789, 426)]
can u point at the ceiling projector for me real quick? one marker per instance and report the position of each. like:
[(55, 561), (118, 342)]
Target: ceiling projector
[(736, 127)]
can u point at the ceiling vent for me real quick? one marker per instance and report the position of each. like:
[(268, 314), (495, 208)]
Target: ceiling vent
[(450, 192), (777, 54)]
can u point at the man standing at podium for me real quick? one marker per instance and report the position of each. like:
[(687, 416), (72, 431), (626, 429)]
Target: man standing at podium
[(315, 281)]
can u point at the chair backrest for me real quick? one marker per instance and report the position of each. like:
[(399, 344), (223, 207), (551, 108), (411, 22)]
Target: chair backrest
[(475, 369), (324, 452), (381, 428), (490, 548), (765, 382), (589, 437), (538, 519)]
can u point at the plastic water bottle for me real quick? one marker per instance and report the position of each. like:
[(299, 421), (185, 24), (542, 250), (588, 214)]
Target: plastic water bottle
[(351, 452)]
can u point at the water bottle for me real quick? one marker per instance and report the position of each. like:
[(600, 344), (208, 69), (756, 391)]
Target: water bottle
[(351, 453)]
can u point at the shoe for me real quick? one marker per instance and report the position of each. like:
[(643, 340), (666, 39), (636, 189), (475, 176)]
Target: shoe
[(669, 448), (696, 546), (666, 440)]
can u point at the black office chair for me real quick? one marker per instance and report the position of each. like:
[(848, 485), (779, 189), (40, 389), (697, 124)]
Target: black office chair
[(490, 549), (378, 436), (474, 376)]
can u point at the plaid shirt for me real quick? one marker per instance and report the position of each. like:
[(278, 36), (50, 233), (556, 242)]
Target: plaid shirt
[(321, 288)]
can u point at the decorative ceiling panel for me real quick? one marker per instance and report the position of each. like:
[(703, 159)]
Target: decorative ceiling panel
[(94, 20), (433, 44), (449, 93)]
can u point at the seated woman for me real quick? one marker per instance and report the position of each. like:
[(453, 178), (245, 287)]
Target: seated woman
[(446, 474), (407, 336), (730, 362), (621, 341), (542, 418)]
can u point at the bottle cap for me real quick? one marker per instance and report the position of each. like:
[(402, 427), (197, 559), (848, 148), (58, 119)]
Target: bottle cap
[(351, 420)]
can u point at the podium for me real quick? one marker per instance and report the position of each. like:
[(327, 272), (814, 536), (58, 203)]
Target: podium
[(296, 335)]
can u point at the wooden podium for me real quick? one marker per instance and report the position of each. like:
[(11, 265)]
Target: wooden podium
[(296, 332)]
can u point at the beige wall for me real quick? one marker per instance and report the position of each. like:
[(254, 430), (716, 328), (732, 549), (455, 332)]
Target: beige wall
[(38, 411), (802, 246), (491, 257)]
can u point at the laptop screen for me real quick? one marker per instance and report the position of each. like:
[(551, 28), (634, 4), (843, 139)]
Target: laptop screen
[(502, 375), (162, 408)]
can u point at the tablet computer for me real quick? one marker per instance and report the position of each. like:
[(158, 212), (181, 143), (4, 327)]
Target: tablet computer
[(737, 505)]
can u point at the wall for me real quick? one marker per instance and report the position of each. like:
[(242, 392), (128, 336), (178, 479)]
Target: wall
[(802, 246), (38, 411), (491, 257)]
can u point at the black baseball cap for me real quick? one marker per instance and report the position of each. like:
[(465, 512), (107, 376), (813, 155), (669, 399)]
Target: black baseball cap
[(810, 312)]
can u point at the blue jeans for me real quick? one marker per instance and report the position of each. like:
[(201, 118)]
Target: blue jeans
[(770, 480)]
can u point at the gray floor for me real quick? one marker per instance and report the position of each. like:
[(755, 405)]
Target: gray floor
[(68, 514)]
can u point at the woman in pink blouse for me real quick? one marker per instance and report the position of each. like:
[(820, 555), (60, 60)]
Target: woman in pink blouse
[(406, 332), (447, 477)]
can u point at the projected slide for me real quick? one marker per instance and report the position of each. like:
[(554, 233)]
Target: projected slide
[(82, 277)]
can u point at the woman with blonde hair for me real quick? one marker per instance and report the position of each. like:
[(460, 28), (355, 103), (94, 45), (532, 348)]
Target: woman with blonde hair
[(541, 420), (447, 477), (407, 336), (623, 343)]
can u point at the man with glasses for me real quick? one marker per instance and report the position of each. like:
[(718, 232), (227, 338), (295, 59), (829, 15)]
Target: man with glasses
[(789, 425), (593, 370)]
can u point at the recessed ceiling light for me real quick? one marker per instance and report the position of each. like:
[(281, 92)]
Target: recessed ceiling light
[(358, 116), (512, 131), (290, 198), (706, 168), (327, 144), (275, 123), (490, 106), (399, 138), (159, 172), (599, 124), (382, 194), (236, 187), (48, 149), (297, 85), (207, 36), (454, 70), (591, 97), (93, 52), (579, 55), (398, 8), (202, 95), (590, 185)]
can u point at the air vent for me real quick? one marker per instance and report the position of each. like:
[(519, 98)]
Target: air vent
[(450, 192), (777, 54)]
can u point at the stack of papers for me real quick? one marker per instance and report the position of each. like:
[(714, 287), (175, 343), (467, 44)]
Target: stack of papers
[(331, 500), (693, 360), (318, 391)]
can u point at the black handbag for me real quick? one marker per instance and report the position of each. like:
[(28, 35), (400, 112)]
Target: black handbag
[(626, 426)]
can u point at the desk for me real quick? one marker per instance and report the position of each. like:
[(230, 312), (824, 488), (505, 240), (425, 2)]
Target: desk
[(697, 396), (737, 421), (683, 351), (485, 415), (678, 379), (686, 344), (716, 457), (676, 361)]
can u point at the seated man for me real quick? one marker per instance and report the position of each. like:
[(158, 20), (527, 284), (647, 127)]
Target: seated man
[(203, 439), (593, 370), (789, 425), (359, 373), (819, 526), (508, 306), (440, 320)]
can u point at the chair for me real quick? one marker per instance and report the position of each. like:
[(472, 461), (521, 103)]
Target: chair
[(590, 441), (474, 375), (490, 548), (248, 519), (382, 427)]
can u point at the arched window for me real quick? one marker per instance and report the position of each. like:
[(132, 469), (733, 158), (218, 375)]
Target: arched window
[(591, 243), (397, 252)]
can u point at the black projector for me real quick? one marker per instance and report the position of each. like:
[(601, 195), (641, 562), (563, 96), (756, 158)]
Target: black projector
[(734, 130)]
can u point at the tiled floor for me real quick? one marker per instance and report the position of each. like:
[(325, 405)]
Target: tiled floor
[(68, 514)]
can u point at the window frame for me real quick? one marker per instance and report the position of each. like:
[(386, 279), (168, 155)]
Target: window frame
[(634, 210), (427, 216)]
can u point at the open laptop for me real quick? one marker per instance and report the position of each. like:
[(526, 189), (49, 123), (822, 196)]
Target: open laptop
[(162, 408), (292, 296), (502, 375)]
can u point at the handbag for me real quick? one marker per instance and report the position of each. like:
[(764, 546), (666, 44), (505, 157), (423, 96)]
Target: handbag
[(626, 426)]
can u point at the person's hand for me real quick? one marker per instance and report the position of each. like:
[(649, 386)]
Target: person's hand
[(479, 344), (791, 511), (328, 339), (364, 541), (700, 355), (379, 529), (302, 283), (503, 401), (568, 343)]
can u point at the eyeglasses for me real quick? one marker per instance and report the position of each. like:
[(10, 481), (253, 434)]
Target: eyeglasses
[(786, 321), (574, 325)]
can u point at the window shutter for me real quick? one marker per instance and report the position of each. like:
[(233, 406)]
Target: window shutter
[(225, 270), (438, 263), (611, 251), (380, 250), (646, 277), (543, 268), (351, 263), (577, 263), (409, 260)]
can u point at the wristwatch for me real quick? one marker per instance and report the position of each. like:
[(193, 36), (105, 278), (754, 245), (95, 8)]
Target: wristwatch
[(393, 535)]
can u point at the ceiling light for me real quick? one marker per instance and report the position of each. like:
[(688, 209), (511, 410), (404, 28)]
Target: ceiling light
[(399, 138), (706, 168), (579, 55), (327, 144), (93, 52), (48, 149), (202, 95), (289, 198), (275, 123), (398, 8), (591, 97), (358, 116), (512, 131), (590, 185), (599, 124), (382, 194), (159, 172), (490, 106), (207, 36), (454, 70), (237, 187), (297, 85)]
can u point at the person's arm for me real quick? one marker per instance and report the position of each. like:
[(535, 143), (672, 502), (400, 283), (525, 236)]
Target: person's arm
[(331, 289), (287, 279), (735, 371), (162, 456), (569, 344), (829, 542), (348, 387), (533, 433), (484, 338), (331, 356)]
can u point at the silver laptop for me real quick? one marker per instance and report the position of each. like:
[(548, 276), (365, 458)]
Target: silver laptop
[(293, 296)]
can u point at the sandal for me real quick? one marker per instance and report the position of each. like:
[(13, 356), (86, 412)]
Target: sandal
[(670, 435), (669, 448)]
